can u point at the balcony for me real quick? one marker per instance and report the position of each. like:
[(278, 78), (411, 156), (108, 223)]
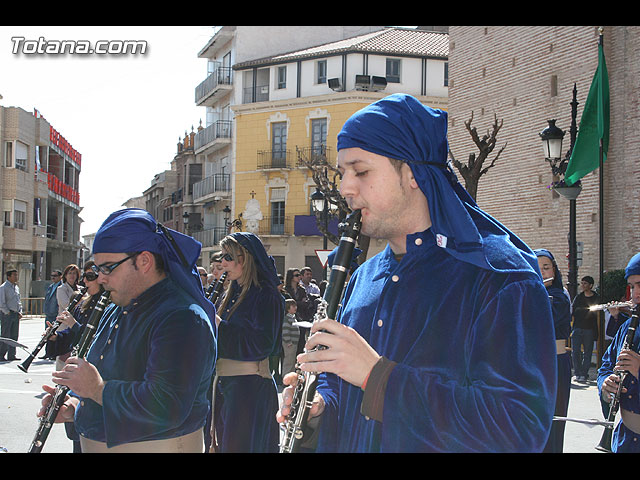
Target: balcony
[(317, 155), (274, 159), (259, 93), (210, 237), (275, 226), (218, 184), (215, 136), (214, 87)]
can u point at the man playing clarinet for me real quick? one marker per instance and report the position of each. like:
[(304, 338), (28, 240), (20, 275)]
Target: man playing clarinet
[(143, 386), (445, 340), (626, 436)]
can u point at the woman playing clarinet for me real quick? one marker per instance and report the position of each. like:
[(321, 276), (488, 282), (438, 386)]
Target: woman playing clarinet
[(249, 331), (75, 321)]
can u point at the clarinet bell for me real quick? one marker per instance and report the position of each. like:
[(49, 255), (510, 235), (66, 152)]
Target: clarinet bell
[(24, 366), (605, 440)]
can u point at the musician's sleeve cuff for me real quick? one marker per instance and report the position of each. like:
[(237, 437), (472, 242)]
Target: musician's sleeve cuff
[(373, 399)]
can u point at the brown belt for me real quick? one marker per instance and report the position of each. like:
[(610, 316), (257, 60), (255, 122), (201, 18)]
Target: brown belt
[(190, 443)]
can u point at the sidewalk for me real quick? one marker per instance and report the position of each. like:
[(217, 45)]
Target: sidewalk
[(583, 404)]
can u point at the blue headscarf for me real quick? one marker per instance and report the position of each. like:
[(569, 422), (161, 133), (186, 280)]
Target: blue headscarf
[(557, 276), (400, 127), (633, 267), (265, 264), (135, 230)]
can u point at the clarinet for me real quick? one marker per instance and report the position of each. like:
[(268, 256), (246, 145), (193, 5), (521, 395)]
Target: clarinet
[(296, 421), (605, 441), (24, 366), (215, 289), (80, 350)]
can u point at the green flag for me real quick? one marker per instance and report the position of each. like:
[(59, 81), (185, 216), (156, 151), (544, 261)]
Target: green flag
[(594, 126)]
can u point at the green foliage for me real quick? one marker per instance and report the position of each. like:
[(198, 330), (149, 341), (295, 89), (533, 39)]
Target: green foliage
[(613, 286)]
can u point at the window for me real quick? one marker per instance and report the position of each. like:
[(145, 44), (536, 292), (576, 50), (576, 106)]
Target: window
[(393, 70), (446, 74), (279, 144), (277, 211), (277, 218), (282, 77), (321, 71), (8, 154), (318, 137), (22, 154), (20, 214)]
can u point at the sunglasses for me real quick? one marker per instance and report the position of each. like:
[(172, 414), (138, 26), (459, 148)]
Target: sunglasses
[(107, 269), (91, 276)]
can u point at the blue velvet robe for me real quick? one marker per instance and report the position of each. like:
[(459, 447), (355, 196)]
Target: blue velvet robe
[(623, 440), (157, 358), (561, 310), (475, 350), (246, 405)]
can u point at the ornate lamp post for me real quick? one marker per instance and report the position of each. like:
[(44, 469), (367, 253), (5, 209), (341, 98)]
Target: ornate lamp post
[(552, 144)]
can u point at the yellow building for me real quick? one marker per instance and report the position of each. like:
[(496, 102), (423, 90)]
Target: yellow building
[(283, 106)]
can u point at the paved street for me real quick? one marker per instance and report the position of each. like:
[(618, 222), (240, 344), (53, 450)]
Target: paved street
[(21, 393)]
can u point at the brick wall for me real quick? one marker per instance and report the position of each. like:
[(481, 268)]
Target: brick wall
[(525, 75)]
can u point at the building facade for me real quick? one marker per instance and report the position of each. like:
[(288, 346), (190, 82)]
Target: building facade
[(216, 141), (39, 183), (525, 75)]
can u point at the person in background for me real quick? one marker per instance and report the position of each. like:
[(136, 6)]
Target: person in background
[(204, 277), (68, 286), (215, 267), (306, 281), (584, 329), (290, 336), (10, 314), (67, 289), (51, 310), (561, 310)]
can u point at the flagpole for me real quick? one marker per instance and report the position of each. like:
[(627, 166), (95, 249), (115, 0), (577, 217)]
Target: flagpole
[(601, 343)]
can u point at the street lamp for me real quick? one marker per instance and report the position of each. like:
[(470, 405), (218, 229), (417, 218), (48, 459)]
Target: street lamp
[(185, 221), (227, 215), (552, 141), (319, 203)]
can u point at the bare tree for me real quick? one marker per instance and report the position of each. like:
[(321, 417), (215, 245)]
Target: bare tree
[(327, 178), (473, 169)]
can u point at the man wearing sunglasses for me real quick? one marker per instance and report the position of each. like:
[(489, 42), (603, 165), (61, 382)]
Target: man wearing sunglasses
[(143, 385)]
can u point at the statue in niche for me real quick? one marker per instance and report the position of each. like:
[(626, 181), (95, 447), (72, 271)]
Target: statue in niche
[(252, 215)]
